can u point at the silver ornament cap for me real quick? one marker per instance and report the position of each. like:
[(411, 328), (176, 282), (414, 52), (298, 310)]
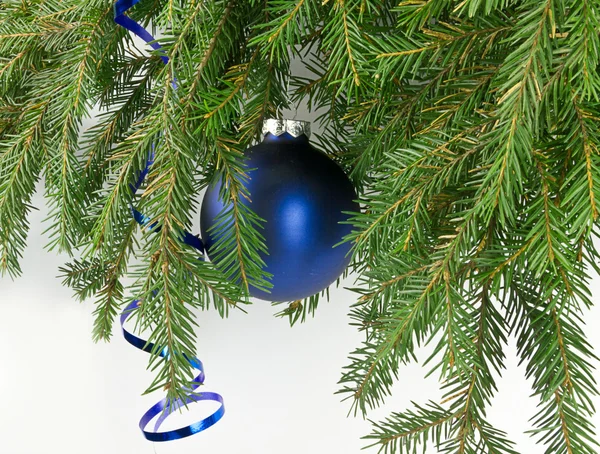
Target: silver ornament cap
[(294, 128)]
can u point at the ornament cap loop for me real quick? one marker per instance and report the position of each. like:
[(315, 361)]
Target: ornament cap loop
[(295, 128)]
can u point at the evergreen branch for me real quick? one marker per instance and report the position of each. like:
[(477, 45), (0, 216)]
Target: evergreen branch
[(239, 83), (83, 64), (12, 62), (342, 7), (111, 294), (388, 212), (286, 24), (165, 291), (182, 33), (422, 428), (113, 204), (205, 59), (412, 222), (545, 217), (268, 95), (107, 310), (444, 40), (515, 256), (403, 432), (528, 69), (108, 132), (580, 181), (273, 36), (564, 385), (471, 396), (84, 277), (64, 169), (417, 192), (398, 121), (563, 354), (19, 35), (345, 44), (588, 149), (244, 225), (20, 164), (563, 424), (409, 320), (238, 237), (547, 222), (466, 417), (224, 291), (416, 13), (515, 112), (582, 61), (239, 259), (384, 285)]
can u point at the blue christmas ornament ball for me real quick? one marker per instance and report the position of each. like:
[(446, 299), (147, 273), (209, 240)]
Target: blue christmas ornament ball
[(302, 195)]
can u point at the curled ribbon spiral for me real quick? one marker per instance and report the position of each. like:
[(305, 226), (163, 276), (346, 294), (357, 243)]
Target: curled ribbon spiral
[(165, 407)]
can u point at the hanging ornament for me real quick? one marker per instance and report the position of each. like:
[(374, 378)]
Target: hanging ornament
[(303, 196)]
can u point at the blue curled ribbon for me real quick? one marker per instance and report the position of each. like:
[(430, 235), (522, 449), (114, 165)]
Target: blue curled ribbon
[(165, 407)]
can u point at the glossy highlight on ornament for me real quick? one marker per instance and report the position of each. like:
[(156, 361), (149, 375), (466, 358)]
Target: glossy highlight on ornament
[(164, 408), (305, 198)]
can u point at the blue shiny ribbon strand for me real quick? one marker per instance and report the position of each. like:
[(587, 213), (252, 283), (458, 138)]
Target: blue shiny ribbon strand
[(121, 7), (165, 407)]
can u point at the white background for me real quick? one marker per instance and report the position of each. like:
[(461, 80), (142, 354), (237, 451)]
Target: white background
[(63, 394)]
